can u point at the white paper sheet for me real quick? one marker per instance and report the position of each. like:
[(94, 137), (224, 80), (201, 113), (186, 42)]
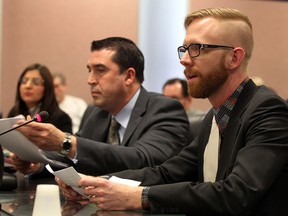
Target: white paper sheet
[(129, 182), (17, 143), (71, 177)]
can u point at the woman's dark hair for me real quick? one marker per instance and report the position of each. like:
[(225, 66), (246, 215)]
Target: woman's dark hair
[(48, 101)]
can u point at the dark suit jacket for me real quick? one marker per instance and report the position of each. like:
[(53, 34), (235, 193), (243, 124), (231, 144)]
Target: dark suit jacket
[(252, 177), (86, 114), (157, 130)]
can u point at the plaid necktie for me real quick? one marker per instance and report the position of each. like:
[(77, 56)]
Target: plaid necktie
[(113, 135)]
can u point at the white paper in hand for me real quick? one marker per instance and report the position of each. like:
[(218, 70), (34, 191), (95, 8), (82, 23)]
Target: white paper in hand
[(69, 176), (17, 143), (128, 182)]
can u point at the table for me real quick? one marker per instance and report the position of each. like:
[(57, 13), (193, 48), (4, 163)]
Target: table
[(20, 202)]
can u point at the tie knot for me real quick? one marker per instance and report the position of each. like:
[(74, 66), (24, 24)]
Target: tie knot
[(114, 124)]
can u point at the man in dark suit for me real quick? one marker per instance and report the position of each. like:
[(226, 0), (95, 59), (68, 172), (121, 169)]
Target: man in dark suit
[(250, 173), (152, 127)]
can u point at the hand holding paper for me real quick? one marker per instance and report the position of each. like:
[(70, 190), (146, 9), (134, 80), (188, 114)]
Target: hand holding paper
[(71, 178), (16, 142)]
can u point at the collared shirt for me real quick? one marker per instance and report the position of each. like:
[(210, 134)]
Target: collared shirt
[(123, 116), (222, 116)]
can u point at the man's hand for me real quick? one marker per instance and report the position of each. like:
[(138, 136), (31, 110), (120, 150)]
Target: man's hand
[(108, 195), (24, 167), (68, 192), (46, 136)]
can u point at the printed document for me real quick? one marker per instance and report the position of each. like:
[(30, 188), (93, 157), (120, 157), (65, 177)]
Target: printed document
[(17, 143)]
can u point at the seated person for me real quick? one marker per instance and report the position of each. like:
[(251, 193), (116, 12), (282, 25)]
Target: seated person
[(243, 168), (73, 106), (151, 129), (178, 89), (35, 93)]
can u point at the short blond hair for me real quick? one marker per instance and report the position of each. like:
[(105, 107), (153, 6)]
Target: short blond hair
[(244, 32), (217, 13)]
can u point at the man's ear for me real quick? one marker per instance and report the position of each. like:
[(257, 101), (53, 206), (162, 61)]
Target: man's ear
[(236, 57), (130, 76)]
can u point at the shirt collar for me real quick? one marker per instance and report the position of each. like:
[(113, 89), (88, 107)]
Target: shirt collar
[(124, 115), (222, 115)]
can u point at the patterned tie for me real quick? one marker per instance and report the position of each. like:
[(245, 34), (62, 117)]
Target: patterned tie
[(211, 154), (113, 135)]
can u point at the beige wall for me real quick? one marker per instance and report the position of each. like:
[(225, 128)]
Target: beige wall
[(58, 34)]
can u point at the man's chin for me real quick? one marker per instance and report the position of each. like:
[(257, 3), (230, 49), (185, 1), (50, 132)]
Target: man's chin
[(197, 94)]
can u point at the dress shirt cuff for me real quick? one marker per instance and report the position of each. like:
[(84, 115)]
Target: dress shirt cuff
[(74, 160), (145, 199)]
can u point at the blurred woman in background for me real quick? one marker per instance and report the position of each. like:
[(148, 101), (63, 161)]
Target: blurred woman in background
[(35, 93)]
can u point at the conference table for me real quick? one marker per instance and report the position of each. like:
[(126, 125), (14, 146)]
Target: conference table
[(20, 202)]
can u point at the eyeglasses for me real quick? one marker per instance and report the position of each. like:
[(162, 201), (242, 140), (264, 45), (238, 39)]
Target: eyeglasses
[(194, 49), (37, 81)]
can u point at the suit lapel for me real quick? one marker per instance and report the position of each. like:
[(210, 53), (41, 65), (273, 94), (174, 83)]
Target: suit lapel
[(96, 125), (230, 144), (136, 115), (103, 126)]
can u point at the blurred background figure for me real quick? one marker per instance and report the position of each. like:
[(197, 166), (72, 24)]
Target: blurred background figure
[(178, 89), (35, 93), (1, 169), (73, 106)]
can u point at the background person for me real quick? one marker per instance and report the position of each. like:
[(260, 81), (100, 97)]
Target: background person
[(73, 106), (152, 127), (35, 93), (250, 172), (178, 89)]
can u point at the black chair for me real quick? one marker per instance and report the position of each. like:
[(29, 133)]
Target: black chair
[(1, 165), (195, 124), (8, 180)]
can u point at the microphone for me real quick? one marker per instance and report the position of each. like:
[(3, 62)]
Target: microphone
[(38, 118)]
